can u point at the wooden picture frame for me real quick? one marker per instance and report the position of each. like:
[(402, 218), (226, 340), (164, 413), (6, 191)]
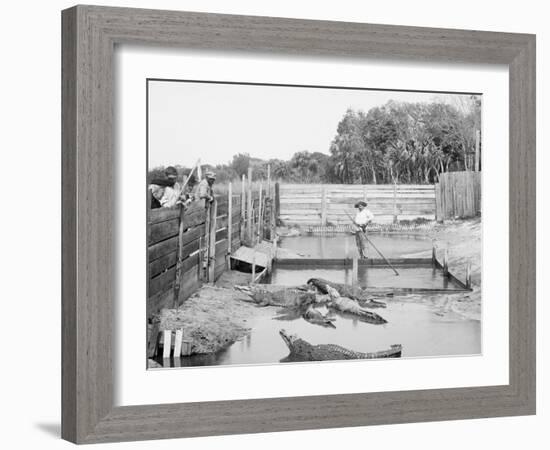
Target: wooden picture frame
[(89, 37)]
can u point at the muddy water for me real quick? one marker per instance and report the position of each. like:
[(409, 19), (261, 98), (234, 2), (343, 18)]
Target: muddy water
[(342, 245), (416, 322), (413, 323), (414, 277)]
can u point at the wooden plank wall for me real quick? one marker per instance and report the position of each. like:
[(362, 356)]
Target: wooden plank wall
[(458, 195), (162, 242), (327, 204)]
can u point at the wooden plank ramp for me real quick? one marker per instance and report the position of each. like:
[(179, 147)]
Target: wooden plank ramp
[(261, 255)]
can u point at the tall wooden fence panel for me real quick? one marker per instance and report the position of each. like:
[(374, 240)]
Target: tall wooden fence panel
[(458, 195), (330, 204), (205, 245)]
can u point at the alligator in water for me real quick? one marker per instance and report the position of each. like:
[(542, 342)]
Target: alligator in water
[(301, 350), (362, 296), (315, 317)]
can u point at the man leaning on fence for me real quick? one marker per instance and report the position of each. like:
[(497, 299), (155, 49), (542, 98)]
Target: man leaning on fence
[(205, 189), (362, 219), (165, 191)]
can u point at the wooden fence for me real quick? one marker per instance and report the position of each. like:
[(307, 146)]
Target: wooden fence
[(458, 195), (328, 204), (200, 236)]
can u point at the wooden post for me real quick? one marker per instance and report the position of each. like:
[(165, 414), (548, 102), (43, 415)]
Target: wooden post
[(243, 209), (469, 276), (177, 281), (229, 223), (268, 188), (167, 344), (445, 263), (212, 242), (206, 254), (177, 343), (434, 257), (152, 345), (260, 215), (323, 205), (249, 230), (186, 348), (394, 202), (253, 267), (277, 203), (346, 246), (478, 159), (354, 273)]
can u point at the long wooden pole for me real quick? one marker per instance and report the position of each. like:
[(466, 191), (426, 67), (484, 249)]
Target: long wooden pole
[(374, 246)]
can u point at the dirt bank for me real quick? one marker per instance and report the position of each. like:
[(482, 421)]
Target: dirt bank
[(212, 318), (462, 239)]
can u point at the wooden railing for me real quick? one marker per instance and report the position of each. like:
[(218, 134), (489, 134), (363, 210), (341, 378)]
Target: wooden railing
[(330, 204)]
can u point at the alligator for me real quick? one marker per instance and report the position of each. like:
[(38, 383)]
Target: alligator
[(301, 350), (348, 306), (361, 295), (315, 317), (270, 295)]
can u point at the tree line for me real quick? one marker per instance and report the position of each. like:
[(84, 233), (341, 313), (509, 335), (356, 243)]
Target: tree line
[(399, 142)]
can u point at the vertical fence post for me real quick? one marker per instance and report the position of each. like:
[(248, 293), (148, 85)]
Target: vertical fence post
[(212, 243), (445, 263), (260, 214), (394, 202), (469, 276), (243, 209), (249, 230), (253, 267), (323, 205), (277, 202), (354, 274), (268, 188), (167, 344), (434, 257), (229, 223), (206, 253), (478, 159)]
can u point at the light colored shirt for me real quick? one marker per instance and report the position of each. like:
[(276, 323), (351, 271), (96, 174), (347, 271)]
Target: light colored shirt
[(363, 217), (171, 196)]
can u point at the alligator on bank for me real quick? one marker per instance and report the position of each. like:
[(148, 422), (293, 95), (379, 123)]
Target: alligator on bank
[(301, 350), (346, 305), (286, 297), (361, 295)]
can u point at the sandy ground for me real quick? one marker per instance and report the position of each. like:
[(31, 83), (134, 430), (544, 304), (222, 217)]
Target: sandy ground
[(462, 239), (212, 318)]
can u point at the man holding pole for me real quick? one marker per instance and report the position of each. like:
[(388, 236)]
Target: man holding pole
[(362, 219)]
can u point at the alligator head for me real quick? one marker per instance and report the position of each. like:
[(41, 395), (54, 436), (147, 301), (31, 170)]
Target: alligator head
[(288, 338)]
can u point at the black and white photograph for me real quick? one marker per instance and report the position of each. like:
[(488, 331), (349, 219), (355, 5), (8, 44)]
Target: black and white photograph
[(306, 223)]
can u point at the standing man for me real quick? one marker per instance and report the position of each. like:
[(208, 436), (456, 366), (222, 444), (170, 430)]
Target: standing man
[(362, 219), (205, 189)]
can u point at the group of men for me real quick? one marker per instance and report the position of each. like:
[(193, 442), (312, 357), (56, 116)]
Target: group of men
[(167, 191)]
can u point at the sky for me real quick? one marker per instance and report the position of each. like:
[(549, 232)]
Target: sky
[(212, 121)]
